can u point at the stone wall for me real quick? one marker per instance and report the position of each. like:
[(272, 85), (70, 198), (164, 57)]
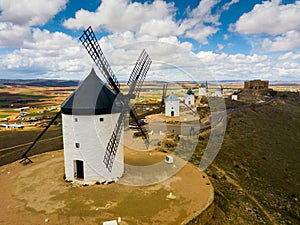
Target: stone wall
[(256, 84)]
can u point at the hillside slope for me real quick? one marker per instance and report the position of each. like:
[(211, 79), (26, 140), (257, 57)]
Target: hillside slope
[(257, 171)]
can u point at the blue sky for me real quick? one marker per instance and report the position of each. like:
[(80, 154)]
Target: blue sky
[(231, 39)]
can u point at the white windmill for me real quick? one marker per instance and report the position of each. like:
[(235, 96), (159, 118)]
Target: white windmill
[(189, 98), (172, 105), (202, 90), (93, 118)]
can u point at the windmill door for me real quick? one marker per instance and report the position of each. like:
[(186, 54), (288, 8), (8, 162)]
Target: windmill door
[(79, 169), (172, 113)]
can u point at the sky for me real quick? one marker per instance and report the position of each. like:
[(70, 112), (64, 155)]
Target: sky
[(186, 39)]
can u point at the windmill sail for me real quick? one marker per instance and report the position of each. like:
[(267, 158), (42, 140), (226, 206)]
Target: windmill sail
[(24, 156), (136, 80), (89, 41), (139, 71), (165, 86), (143, 130), (189, 107)]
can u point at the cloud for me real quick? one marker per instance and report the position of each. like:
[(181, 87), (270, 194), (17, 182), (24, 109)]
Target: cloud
[(155, 19), (121, 15), (244, 67), (238, 66), (13, 35), (159, 28), (270, 17), (289, 56), (30, 13), (52, 55), (288, 41), (227, 5), (201, 23), (17, 17), (220, 46)]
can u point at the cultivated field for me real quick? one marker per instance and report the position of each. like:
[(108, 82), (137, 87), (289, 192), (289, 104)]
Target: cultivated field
[(255, 175)]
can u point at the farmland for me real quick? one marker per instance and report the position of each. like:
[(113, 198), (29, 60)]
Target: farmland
[(255, 175)]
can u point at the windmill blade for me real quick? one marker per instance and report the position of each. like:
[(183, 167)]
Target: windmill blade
[(135, 81), (143, 131), (24, 156), (114, 141), (163, 95), (139, 71), (190, 108), (89, 41)]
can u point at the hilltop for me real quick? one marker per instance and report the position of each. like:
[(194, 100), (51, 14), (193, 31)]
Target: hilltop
[(256, 173)]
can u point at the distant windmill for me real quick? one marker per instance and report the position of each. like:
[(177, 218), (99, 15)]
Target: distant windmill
[(163, 96), (95, 101)]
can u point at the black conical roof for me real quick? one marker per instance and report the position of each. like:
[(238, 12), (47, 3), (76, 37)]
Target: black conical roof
[(92, 97), (190, 92)]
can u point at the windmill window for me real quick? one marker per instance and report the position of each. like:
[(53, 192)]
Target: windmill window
[(76, 119), (77, 145), (101, 119)]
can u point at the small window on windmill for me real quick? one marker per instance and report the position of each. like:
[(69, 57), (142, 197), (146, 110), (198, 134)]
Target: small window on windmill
[(75, 119), (101, 119), (77, 145)]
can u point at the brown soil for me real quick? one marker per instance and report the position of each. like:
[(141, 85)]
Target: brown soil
[(30, 194)]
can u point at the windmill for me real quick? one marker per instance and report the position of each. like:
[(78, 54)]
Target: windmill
[(163, 96), (95, 100)]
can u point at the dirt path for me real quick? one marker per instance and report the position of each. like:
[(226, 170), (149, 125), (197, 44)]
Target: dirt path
[(239, 187)]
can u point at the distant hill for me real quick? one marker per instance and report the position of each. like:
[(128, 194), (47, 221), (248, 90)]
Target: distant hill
[(256, 174), (40, 82)]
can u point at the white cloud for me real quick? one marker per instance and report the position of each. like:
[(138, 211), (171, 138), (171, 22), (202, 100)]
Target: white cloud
[(225, 37), (201, 33), (51, 54), (244, 67), (270, 17), (220, 46), (121, 15), (13, 35), (195, 26), (156, 19), (30, 13), (288, 41), (289, 56), (18, 16), (159, 28), (228, 4)]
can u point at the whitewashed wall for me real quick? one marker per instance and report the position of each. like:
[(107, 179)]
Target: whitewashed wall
[(93, 136), (172, 106), (189, 99), (202, 91)]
